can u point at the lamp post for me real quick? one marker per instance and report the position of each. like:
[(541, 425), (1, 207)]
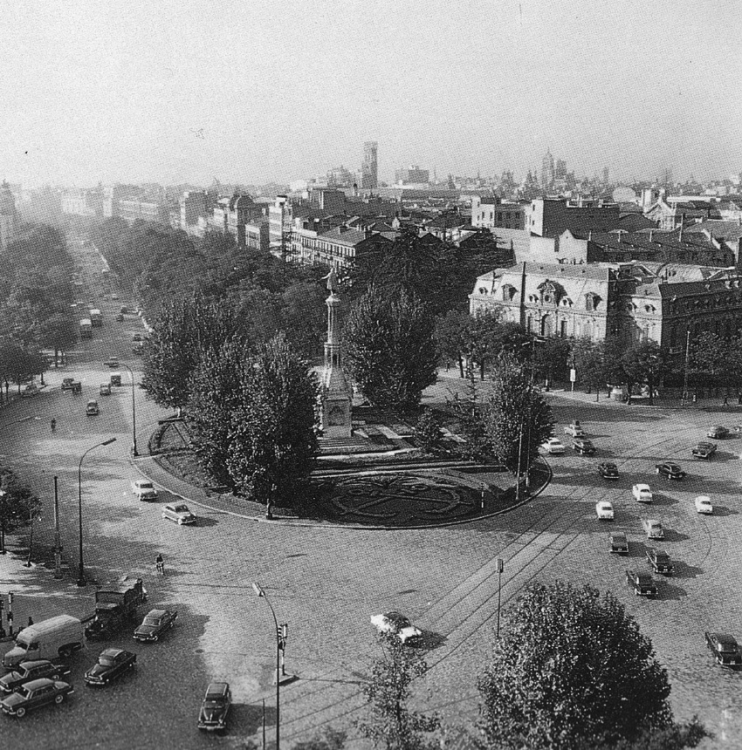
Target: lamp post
[(133, 410), (81, 572), (259, 591)]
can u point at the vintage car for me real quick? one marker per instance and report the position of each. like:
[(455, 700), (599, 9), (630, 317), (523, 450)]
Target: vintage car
[(604, 510), (608, 470), (574, 429), (215, 707), (669, 470), (653, 529), (583, 446), (67, 384), (27, 671), (35, 694), (179, 513), (642, 583), (660, 561), (30, 391), (395, 623), (157, 622), (112, 362), (703, 505), (111, 664), (619, 542), (553, 446), (642, 493), (105, 389), (724, 648), (717, 432), (92, 409), (704, 450), (143, 489)]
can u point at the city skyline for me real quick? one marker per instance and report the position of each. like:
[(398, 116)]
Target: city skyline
[(177, 92)]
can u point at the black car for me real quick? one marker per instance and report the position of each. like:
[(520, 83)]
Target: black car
[(642, 583), (32, 670), (704, 450), (583, 446), (112, 663), (724, 648), (155, 624), (619, 543), (215, 707), (669, 470), (660, 561), (34, 694), (608, 471)]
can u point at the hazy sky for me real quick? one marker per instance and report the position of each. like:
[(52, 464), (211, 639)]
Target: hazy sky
[(250, 91)]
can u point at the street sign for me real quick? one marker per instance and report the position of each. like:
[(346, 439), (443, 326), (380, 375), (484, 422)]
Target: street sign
[(572, 375), (500, 565)]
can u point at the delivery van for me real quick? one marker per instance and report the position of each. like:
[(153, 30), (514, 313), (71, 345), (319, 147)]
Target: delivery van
[(49, 639)]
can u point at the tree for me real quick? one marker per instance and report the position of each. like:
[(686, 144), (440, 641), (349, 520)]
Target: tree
[(58, 332), (571, 667), (18, 504), (389, 348), (643, 363), (453, 332), (516, 418), (391, 723), (589, 362), (428, 431), (273, 444)]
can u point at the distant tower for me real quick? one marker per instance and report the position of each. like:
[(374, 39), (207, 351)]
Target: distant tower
[(9, 221), (337, 398), (547, 170), (370, 167), (606, 175)]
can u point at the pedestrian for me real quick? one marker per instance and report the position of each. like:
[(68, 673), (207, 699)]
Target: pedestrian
[(30, 621), (160, 564), (726, 401), (54, 424)]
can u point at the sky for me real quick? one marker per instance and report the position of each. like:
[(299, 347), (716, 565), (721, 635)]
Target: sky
[(178, 91)]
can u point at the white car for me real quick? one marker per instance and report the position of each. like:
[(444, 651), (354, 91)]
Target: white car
[(642, 493), (144, 489), (653, 529), (574, 429), (553, 446), (397, 624), (179, 513), (703, 505), (604, 509)]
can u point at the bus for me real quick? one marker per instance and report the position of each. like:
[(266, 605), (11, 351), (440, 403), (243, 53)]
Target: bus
[(86, 329), (96, 317)]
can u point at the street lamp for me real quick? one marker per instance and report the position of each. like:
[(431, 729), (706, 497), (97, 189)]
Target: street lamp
[(81, 572), (259, 591), (133, 410)]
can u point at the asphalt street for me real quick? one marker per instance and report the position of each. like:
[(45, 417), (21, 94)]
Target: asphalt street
[(326, 582)]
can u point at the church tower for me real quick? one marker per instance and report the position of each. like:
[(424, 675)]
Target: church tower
[(337, 398)]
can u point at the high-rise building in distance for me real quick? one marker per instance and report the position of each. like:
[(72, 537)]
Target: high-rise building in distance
[(370, 167)]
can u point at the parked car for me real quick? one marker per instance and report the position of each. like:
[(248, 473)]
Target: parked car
[(92, 408), (215, 707), (717, 432), (144, 489), (112, 362), (553, 446), (724, 648), (137, 348), (574, 429), (116, 378), (604, 510), (642, 493), (123, 310), (583, 446), (669, 470), (30, 391), (32, 670), (660, 561), (114, 297), (105, 389), (119, 318), (608, 470), (619, 542), (137, 337), (653, 529), (34, 694), (67, 384), (179, 513), (704, 505), (704, 450), (157, 622), (397, 624), (111, 664), (642, 583)]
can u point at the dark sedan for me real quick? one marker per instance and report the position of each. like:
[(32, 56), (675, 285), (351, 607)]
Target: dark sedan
[(155, 624), (669, 470), (724, 648), (34, 694), (608, 471), (717, 432), (642, 583), (704, 450), (215, 707), (112, 663), (583, 446), (32, 670)]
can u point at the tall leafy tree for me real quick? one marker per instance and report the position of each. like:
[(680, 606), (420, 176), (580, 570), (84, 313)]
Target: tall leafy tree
[(391, 723), (273, 444), (18, 504), (389, 348), (644, 364), (572, 667), (588, 358), (516, 418), (453, 333)]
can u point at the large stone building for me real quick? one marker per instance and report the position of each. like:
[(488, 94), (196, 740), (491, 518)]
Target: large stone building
[(193, 206), (9, 221), (635, 301), (549, 217), (490, 212)]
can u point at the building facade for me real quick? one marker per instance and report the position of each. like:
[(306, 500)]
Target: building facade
[(549, 217), (490, 212), (370, 166), (193, 206)]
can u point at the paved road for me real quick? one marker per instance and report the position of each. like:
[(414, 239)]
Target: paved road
[(326, 582)]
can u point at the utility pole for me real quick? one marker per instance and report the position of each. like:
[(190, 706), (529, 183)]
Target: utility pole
[(57, 546), (684, 395)]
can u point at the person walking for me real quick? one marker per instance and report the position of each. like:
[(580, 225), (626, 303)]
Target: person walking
[(160, 564), (54, 424)]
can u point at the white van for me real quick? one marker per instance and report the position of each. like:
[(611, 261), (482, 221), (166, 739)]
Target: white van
[(49, 639)]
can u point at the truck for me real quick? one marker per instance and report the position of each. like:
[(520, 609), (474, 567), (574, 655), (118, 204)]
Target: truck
[(86, 328), (115, 606), (49, 639), (96, 317)]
